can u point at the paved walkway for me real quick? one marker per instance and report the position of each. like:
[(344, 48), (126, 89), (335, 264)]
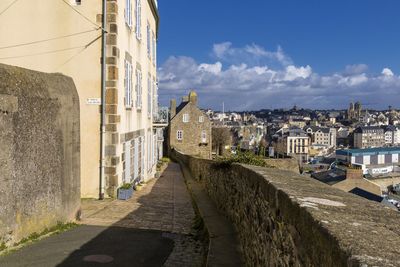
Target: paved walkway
[(153, 228)]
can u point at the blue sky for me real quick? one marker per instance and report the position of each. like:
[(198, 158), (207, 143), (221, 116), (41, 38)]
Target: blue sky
[(278, 53)]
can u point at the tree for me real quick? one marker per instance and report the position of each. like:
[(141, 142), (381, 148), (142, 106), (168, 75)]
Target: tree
[(220, 137)]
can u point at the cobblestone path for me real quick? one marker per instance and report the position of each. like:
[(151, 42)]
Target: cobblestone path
[(163, 204)]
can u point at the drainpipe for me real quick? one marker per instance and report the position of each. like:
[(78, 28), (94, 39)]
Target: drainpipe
[(103, 100)]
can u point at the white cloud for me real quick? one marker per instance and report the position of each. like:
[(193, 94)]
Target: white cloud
[(243, 84), (213, 68), (250, 54), (293, 72), (221, 49), (387, 72)]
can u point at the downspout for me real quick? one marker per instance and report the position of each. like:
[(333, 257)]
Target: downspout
[(103, 100)]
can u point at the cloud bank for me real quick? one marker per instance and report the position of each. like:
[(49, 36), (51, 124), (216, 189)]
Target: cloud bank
[(252, 77)]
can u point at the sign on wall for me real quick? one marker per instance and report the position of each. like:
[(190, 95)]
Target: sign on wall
[(93, 101)]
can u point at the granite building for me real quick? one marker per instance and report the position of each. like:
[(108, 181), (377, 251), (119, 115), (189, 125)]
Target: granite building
[(190, 128)]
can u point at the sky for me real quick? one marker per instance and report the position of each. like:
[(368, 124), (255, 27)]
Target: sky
[(275, 54)]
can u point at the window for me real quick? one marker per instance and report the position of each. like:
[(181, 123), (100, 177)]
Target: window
[(203, 136), (155, 98), (138, 89), (154, 48), (128, 84), (138, 19), (179, 135), (77, 2), (128, 13), (201, 119), (185, 117), (148, 41), (149, 100)]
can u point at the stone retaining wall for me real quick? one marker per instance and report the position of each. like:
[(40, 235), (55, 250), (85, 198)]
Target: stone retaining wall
[(284, 219), (39, 152)]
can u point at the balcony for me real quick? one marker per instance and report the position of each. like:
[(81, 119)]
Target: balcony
[(161, 117)]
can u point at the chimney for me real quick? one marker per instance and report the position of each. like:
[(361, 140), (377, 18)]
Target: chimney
[(185, 99), (172, 108), (193, 97)]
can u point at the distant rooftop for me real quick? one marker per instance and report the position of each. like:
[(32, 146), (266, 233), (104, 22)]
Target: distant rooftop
[(369, 151)]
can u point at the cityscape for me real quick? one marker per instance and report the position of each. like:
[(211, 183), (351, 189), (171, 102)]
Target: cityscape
[(154, 133)]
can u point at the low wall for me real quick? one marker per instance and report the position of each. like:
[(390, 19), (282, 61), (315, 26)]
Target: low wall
[(289, 164), (39, 152), (284, 219)]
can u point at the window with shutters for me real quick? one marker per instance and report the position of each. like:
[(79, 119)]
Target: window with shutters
[(138, 89), (128, 13), (155, 98), (128, 84), (138, 19), (154, 48), (179, 135), (149, 100), (148, 41)]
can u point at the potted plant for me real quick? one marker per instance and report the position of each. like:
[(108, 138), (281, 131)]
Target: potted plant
[(125, 191)]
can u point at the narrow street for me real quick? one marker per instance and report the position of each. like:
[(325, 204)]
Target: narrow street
[(153, 228)]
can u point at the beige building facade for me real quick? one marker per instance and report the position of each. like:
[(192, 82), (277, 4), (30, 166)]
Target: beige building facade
[(294, 143), (65, 36)]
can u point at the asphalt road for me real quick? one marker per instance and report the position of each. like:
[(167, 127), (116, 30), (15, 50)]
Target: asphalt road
[(91, 246)]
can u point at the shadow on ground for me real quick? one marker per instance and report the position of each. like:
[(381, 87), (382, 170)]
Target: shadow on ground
[(115, 245)]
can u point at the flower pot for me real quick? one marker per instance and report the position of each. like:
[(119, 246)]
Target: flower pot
[(124, 194)]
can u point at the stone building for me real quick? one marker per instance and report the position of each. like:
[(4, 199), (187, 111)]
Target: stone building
[(189, 128), (70, 42)]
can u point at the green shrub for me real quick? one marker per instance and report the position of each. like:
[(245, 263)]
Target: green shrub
[(126, 186), (165, 159), (2, 246)]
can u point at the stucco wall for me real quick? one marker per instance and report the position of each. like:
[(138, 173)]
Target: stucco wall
[(284, 219), (39, 151)]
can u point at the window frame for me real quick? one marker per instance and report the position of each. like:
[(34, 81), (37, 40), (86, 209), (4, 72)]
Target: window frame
[(138, 14), (179, 135), (185, 118), (128, 13), (138, 89), (128, 85)]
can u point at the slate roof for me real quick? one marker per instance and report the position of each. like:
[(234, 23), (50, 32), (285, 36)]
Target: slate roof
[(365, 194), (330, 177)]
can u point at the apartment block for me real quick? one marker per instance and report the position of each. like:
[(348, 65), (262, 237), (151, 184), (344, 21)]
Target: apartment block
[(369, 136), (293, 142), (321, 135), (67, 38)]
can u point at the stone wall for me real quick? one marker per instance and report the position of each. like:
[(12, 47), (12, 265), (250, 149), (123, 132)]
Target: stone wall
[(290, 164), (284, 219), (39, 152)]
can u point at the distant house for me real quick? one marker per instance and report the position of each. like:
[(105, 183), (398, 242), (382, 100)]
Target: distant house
[(190, 128)]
